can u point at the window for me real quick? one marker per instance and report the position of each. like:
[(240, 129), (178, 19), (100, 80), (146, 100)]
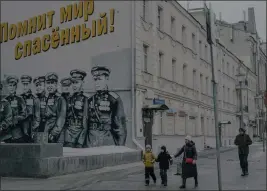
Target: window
[(184, 35), (173, 27), (194, 79), (193, 41), (223, 65), (160, 63), (201, 83), (228, 68), (228, 95), (233, 71), (223, 93), (173, 70), (160, 17), (207, 85), (145, 50), (206, 52), (184, 75), (145, 10), (200, 49)]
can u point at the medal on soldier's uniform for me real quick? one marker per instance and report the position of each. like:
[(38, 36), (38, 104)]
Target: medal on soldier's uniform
[(51, 102), (29, 102), (104, 106), (78, 105), (14, 103)]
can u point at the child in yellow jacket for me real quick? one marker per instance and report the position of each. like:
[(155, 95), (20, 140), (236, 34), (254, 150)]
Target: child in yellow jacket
[(149, 160)]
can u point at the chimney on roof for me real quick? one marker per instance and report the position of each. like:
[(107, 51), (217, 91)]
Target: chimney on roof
[(220, 15), (251, 20), (244, 15)]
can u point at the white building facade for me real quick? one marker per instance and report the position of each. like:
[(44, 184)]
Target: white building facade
[(173, 66)]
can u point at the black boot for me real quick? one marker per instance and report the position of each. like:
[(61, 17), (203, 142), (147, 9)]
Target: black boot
[(196, 182), (243, 172), (184, 182)]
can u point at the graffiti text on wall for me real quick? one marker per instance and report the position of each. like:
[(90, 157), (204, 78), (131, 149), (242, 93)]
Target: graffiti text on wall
[(59, 37)]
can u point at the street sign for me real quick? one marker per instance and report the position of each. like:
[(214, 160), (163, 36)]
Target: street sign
[(158, 101)]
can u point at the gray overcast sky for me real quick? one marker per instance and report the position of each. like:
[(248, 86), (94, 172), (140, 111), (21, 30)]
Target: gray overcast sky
[(232, 11)]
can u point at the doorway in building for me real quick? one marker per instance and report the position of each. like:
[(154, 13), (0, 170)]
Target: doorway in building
[(202, 131)]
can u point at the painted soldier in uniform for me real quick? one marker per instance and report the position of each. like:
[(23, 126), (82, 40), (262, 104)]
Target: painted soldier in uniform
[(76, 131), (107, 121), (65, 89), (18, 110), (40, 94), (32, 121), (55, 109), (5, 119)]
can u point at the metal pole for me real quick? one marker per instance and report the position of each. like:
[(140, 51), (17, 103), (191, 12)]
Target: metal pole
[(209, 39), (241, 107), (216, 121)]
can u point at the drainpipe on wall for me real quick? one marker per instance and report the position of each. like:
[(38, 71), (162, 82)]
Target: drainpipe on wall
[(133, 43)]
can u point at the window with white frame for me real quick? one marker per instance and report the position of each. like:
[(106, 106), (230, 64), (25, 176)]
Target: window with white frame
[(206, 52), (173, 27), (145, 10), (160, 17), (228, 68), (174, 69), (233, 72), (145, 51), (200, 49), (184, 35), (193, 41), (160, 64), (194, 79), (207, 85), (229, 95), (223, 93), (184, 75), (201, 83), (223, 69)]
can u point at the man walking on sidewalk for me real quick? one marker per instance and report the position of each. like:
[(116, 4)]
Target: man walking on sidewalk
[(243, 141)]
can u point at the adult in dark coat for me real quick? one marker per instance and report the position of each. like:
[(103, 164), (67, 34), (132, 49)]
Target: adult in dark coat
[(189, 167), (243, 141)]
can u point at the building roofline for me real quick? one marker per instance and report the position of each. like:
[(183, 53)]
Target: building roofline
[(232, 54)]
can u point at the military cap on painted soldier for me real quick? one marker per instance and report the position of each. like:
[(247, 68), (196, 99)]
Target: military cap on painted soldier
[(77, 77), (38, 79), (65, 82), (101, 77), (52, 76), (12, 79), (51, 80), (25, 79), (77, 74), (100, 70)]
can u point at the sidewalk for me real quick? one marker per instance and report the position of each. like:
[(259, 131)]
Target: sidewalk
[(73, 181)]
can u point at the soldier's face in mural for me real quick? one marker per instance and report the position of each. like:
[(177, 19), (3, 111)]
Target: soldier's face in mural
[(77, 85), (26, 87), (51, 86), (40, 87), (101, 82), (65, 89), (11, 87)]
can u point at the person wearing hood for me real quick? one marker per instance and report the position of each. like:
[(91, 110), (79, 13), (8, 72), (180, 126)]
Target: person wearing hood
[(164, 159), (149, 160), (189, 167), (243, 141)]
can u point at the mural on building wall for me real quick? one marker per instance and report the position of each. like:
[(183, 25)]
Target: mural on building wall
[(81, 103), (74, 119)]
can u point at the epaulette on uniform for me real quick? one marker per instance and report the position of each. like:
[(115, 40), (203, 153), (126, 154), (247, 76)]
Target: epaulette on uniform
[(113, 94)]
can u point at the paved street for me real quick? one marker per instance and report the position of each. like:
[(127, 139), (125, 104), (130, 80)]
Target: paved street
[(131, 176)]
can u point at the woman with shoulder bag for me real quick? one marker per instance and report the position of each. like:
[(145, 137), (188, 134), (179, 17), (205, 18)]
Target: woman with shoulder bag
[(189, 167)]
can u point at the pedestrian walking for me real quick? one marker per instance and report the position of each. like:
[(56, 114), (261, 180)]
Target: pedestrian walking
[(149, 160), (243, 141), (164, 159), (189, 167)]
